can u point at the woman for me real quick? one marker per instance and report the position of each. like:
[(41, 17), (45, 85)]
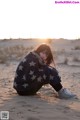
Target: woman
[(34, 71)]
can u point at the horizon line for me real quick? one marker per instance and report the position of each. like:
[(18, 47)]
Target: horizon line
[(39, 38)]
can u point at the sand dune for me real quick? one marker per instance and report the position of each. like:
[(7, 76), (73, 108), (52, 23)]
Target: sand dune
[(45, 105)]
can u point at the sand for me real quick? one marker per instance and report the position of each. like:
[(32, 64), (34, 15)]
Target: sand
[(45, 105)]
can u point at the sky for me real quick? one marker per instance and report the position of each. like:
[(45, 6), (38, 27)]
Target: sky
[(39, 19)]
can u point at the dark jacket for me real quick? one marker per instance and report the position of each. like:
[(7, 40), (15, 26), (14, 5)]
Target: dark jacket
[(32, 73)]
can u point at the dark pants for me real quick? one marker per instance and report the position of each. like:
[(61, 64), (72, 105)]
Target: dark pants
[(57, 87), (55, 82)]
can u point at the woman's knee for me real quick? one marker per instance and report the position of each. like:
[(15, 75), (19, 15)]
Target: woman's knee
[(53, 71)]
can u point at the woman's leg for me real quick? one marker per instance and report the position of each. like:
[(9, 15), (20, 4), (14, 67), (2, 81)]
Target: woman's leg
[(33, 88), (53, 78), (55, 82), (57, 87)]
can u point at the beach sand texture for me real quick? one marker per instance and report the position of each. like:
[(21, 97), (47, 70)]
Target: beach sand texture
[(45, 105)]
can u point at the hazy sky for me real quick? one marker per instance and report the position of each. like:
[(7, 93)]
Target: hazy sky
[(39, 18)]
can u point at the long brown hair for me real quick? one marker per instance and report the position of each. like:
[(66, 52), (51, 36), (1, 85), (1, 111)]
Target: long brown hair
[(46, 48)]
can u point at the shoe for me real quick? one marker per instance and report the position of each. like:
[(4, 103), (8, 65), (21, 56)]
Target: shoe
[(66, 94)]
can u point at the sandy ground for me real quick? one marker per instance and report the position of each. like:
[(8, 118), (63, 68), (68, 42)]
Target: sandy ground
[(45, 105)]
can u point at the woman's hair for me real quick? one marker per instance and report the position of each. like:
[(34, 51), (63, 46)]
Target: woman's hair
[(45, 48)]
